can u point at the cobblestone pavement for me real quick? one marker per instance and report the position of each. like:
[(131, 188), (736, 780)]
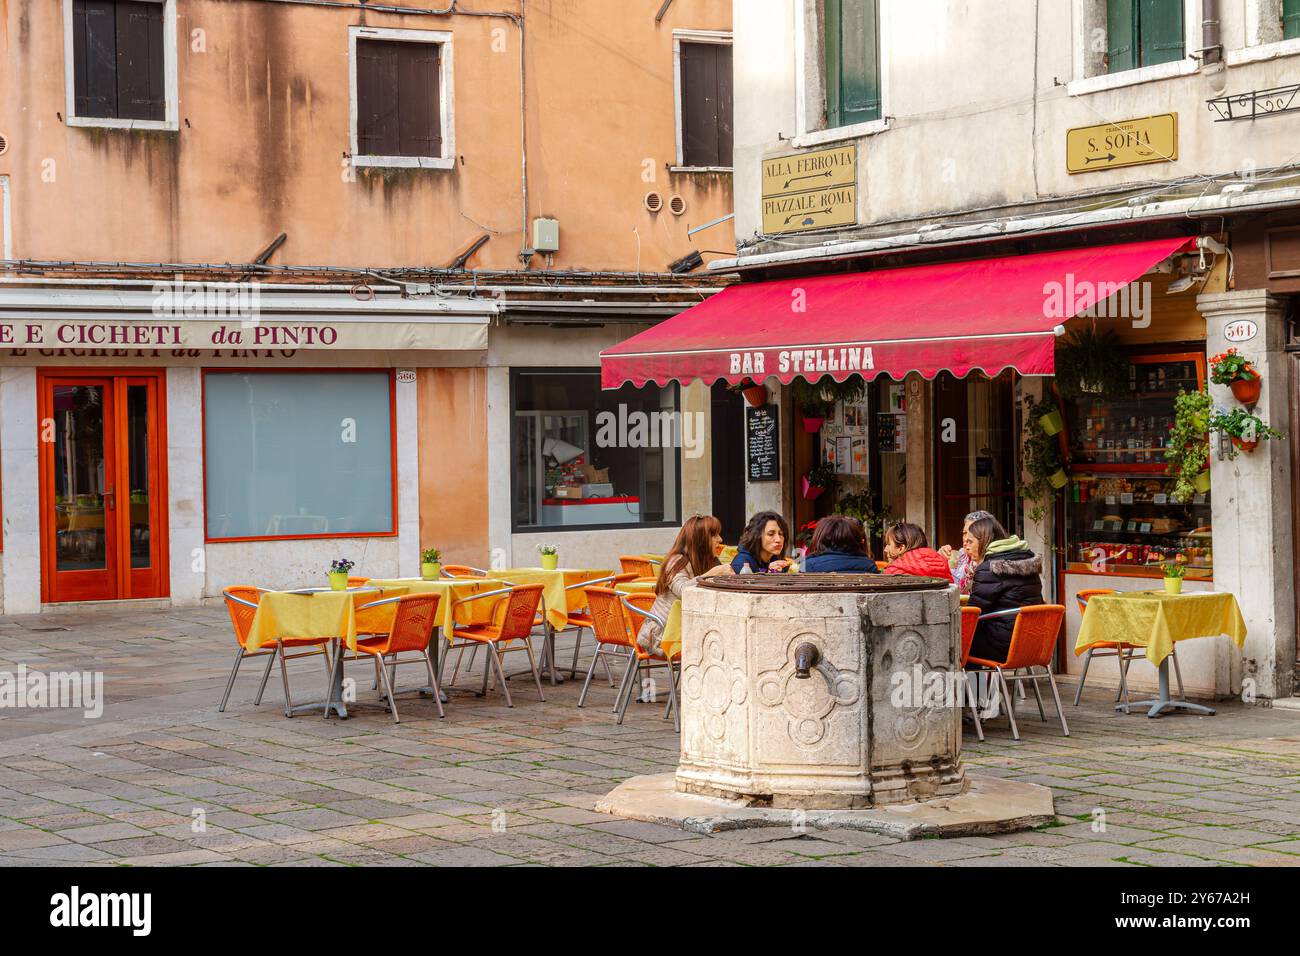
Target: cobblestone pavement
[(495, 786)]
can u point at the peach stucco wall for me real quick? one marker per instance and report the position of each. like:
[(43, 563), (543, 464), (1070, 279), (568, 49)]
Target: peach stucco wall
[(263, 111), (453, 451)]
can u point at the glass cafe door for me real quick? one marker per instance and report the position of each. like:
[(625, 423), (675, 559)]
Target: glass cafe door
[(103, 500)]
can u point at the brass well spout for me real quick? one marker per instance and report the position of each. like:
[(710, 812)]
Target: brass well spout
[(806, 657)]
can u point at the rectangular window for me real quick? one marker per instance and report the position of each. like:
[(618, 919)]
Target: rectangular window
[(118, 60), (1290, 19), (852, 62), (1143, 33), (399, 97), (298, 454), (706, 104), (587, 458)]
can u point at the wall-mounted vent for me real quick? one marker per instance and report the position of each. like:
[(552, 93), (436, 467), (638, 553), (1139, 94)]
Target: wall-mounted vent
[(654, 202), (4, 144), (678, 205)]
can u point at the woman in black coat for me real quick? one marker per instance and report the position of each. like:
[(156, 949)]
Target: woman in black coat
[(1008, 576), (839, 546)]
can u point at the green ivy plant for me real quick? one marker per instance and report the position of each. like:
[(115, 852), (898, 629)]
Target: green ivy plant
[(1042, 459), (822, 475), (816, 399), (862, 505), (1090, 362), (1188, 453), (1244, 426)]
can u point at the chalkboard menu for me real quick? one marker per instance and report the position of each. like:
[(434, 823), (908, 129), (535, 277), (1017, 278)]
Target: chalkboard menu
[(762, 443)]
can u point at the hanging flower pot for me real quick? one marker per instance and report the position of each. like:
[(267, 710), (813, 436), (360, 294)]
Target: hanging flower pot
[(1202, 482), (1058, 478), (810, 491), (1243, 444), (1246, 391), (813, 423), (756, 395), (1051, 423)]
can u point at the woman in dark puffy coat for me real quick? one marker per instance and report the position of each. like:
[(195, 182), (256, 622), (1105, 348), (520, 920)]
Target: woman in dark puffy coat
[(1008, 576), (839, 546)]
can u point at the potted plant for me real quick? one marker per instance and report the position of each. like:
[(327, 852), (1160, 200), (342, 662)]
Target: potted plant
[(1188, 452), (754, 393), (1246, 429), (813, 408), (550, 556), (1091, 363), (1174, 570), (803, 538), (862, 506), (821, 477), (340, 568), (1051, 421), (1044, 469), (1237, 372), (430, 564)]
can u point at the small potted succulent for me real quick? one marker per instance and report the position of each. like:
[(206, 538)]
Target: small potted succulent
[(1174, 570), (550, 556), (1246, 429), (821, 477), (430, 564), (1237, 372), (340, 568)]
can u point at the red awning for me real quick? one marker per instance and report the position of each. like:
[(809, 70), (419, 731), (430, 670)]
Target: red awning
[(987, 314)]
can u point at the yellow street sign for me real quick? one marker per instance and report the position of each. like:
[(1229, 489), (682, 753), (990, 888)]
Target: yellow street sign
[(811, 190), (1150, 139)]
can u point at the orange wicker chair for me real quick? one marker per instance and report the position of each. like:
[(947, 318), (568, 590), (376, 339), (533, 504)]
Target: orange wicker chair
[(612, 630), (412, 631), (581, 617), (639, 566), (241, 602), (970, 617), (1125, 652), (513, 616), (462, 571), (639, 606), (356, 581), (1032, 641)]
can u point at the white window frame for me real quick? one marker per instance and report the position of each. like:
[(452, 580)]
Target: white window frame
[(809, 82), (171, 120), (446, 96), (1084, 19), (6, 224), (1261, 43), (721, 38)]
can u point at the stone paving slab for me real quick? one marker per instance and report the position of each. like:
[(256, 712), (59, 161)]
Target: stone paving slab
[(498, 786)]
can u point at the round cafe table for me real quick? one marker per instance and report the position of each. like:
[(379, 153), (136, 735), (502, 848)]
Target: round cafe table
[(1156, 620)]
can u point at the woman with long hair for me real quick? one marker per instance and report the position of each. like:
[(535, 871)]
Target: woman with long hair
[(1007, 576), (962, 560), (909, 552), (763, 544), (694, 555), (839, 546)]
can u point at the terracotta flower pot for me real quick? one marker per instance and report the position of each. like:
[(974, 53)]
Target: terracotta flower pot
[(813, 424), (1202, 482), (756, 395), (1246, 391), (810, 491), (1243, 444)]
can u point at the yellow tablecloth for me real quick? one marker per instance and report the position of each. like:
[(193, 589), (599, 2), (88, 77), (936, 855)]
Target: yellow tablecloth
[(451, 590), (1155, 620), (728, 555), (559, 603), (327, 614), (671, 642)]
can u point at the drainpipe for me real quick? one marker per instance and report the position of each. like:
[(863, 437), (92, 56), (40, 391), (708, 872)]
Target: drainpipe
[(1211, 47)]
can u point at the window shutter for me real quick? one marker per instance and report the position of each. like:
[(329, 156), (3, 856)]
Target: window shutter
[(852, 62), (1290, 19), (94, 54), (700, 116), (726, 104), (1160, 25), (377, 129), (1121, 32), (140, 87), (419, 109)]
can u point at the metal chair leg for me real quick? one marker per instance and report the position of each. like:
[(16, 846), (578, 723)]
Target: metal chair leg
[(1125, 657), (494, 661), (284, 677), (239, 656), (604, 662), (672, 699), (376, 660), (1178, 673), (1011, 704), (586, 685), (577, 644), (1051, 680), (433, 682), (388, 690), (1039, 697), (632, 686), (487, 672), (627, 675), (1087, 659), (537, 677), (973, 701)]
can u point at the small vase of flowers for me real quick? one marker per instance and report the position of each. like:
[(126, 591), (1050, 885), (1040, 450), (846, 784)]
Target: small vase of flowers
[(550, 556), (430, 564), (340, 568), (1174, 570)]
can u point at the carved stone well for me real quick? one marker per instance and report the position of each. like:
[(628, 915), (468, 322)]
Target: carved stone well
[(808, 700)]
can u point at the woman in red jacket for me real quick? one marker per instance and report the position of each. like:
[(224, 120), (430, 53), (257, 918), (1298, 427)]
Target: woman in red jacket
[(908, 552)]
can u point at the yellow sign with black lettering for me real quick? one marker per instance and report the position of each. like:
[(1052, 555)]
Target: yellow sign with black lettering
[(1135, 142), (810, 190)]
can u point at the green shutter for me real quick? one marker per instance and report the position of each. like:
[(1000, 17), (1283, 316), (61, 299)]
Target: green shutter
[(1290, 19), (852, 62), (1121, 30), (1160, 26)]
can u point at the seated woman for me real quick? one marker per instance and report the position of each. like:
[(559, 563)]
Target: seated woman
[(962, 560), (839, 547), (762, 544), (1007, 576), (908, 552), (694, 555)]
